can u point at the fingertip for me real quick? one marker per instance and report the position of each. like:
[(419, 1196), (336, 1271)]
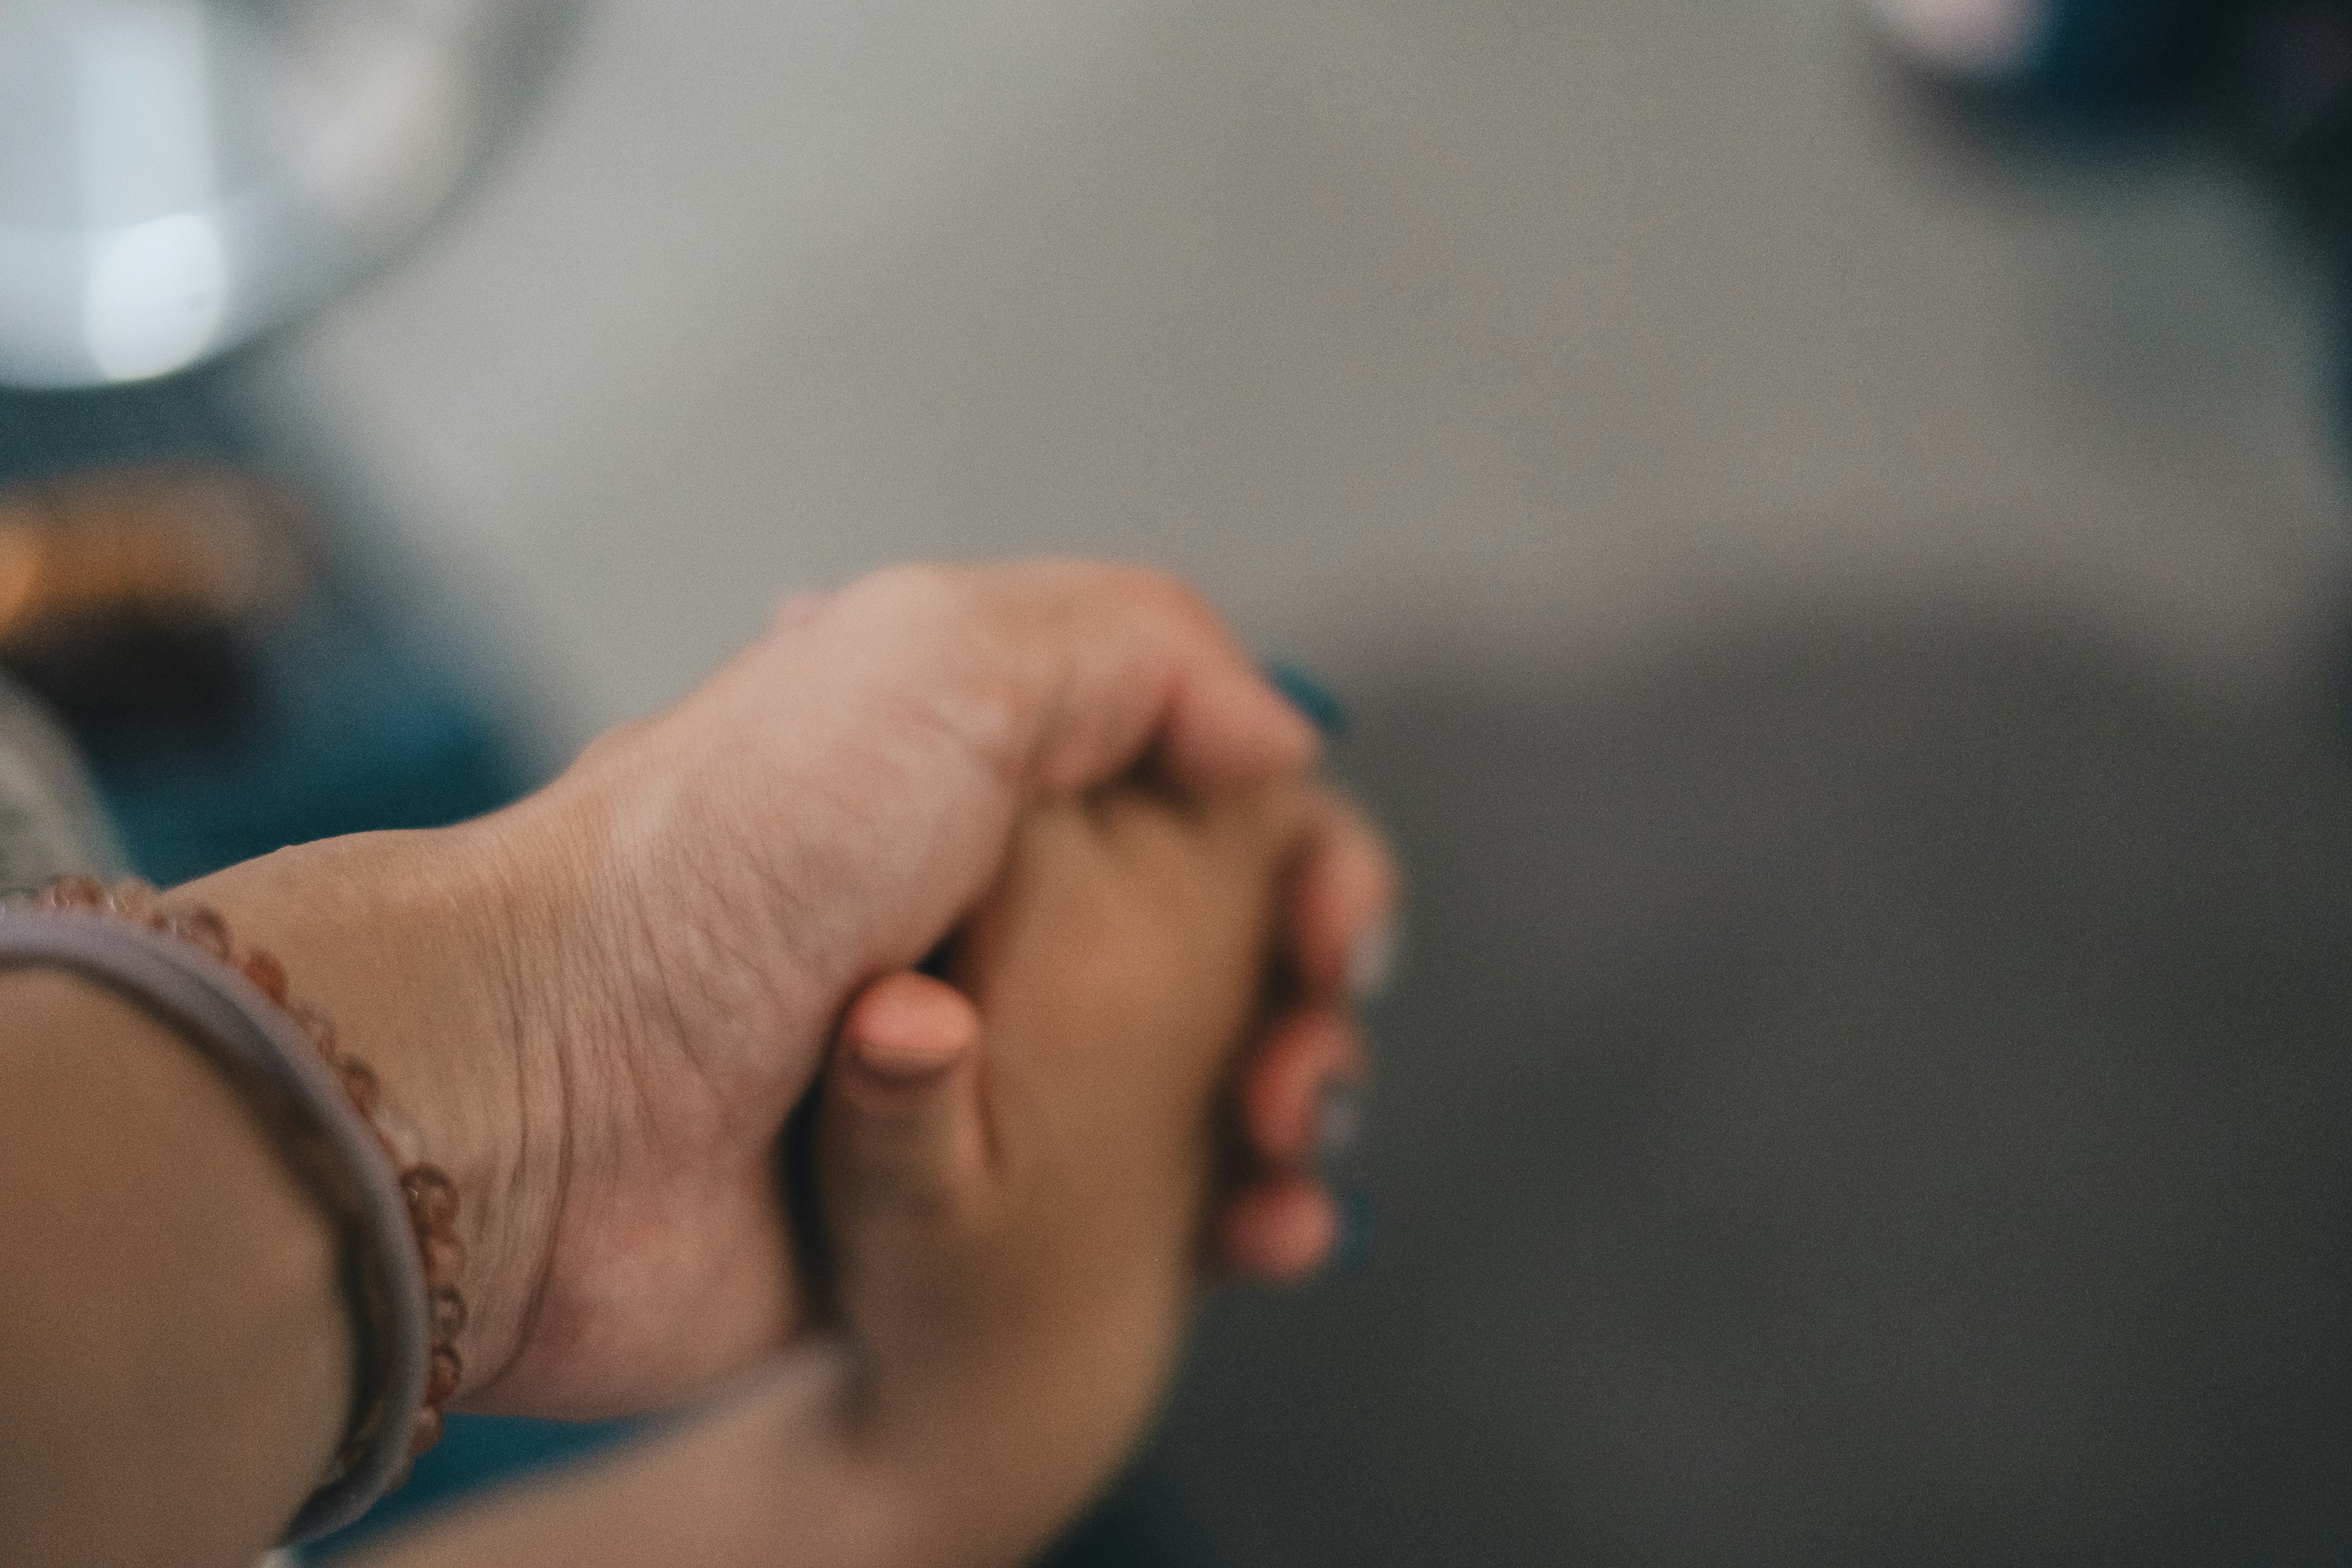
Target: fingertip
[(1229, 728), (909, 1024), (1303, 1057), (1281, 1231), (1343, 906), (1371, 959), (900, 1131)]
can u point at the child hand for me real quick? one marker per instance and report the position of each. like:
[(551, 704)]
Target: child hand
[(1014, 1169)]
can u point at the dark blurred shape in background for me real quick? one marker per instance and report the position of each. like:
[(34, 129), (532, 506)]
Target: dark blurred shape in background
[(2273, 79), (232, 674)]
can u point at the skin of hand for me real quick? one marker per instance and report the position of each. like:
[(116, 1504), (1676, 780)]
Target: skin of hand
[(602, 1004), (1016, 1169)]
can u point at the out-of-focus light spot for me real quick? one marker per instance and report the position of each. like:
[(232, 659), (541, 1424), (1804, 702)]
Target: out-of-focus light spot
[(392, 149), (1987, 40), (143, 109), (157, 296)]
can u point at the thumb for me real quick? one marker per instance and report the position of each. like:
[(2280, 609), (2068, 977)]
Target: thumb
[(900, 1124)]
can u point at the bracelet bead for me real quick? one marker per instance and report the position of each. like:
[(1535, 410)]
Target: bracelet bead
[(445, 1257), (446, 1372), (269, 976), (201, 927), (432, 1196), (73, 892), (426, 1432), (359, 1085), (449, 1309)]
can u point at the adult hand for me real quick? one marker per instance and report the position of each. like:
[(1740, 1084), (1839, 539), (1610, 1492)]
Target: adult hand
[(604, 1003)]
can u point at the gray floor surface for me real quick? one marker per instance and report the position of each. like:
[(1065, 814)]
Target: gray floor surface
[(1860, 1091)]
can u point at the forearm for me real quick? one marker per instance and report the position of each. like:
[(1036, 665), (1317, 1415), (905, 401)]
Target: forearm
[(406, 941), (811, 1465), (176, 1371), (1012, 1420), (767, 1479)]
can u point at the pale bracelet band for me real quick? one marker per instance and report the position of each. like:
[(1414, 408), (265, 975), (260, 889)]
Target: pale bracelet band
[(223, 1013)]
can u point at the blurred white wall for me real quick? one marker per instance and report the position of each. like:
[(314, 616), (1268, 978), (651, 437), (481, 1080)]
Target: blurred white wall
[(1509, 331)]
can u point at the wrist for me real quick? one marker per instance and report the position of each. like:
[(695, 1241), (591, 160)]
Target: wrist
[(406, 941), (697, 947)]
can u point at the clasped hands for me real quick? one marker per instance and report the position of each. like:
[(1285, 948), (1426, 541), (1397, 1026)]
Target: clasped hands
[(603, 1004)]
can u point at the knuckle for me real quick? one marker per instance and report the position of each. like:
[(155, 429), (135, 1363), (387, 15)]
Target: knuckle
[(1175, 597), (912, 586)]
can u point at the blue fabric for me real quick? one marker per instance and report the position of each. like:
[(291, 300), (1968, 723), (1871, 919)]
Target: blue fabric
[(344, 730), (475, 1452)]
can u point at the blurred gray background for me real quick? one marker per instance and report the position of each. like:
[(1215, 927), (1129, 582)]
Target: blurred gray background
[(1517, 330), (1842, 622)]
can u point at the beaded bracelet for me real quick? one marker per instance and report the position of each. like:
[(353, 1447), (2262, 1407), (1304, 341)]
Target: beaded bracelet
[(403, 1303)]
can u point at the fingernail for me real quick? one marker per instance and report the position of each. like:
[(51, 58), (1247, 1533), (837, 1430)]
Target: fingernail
[(1310, 697), (900, 1065), (1339, 1123), (1370, 961), (1359, 1221)]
